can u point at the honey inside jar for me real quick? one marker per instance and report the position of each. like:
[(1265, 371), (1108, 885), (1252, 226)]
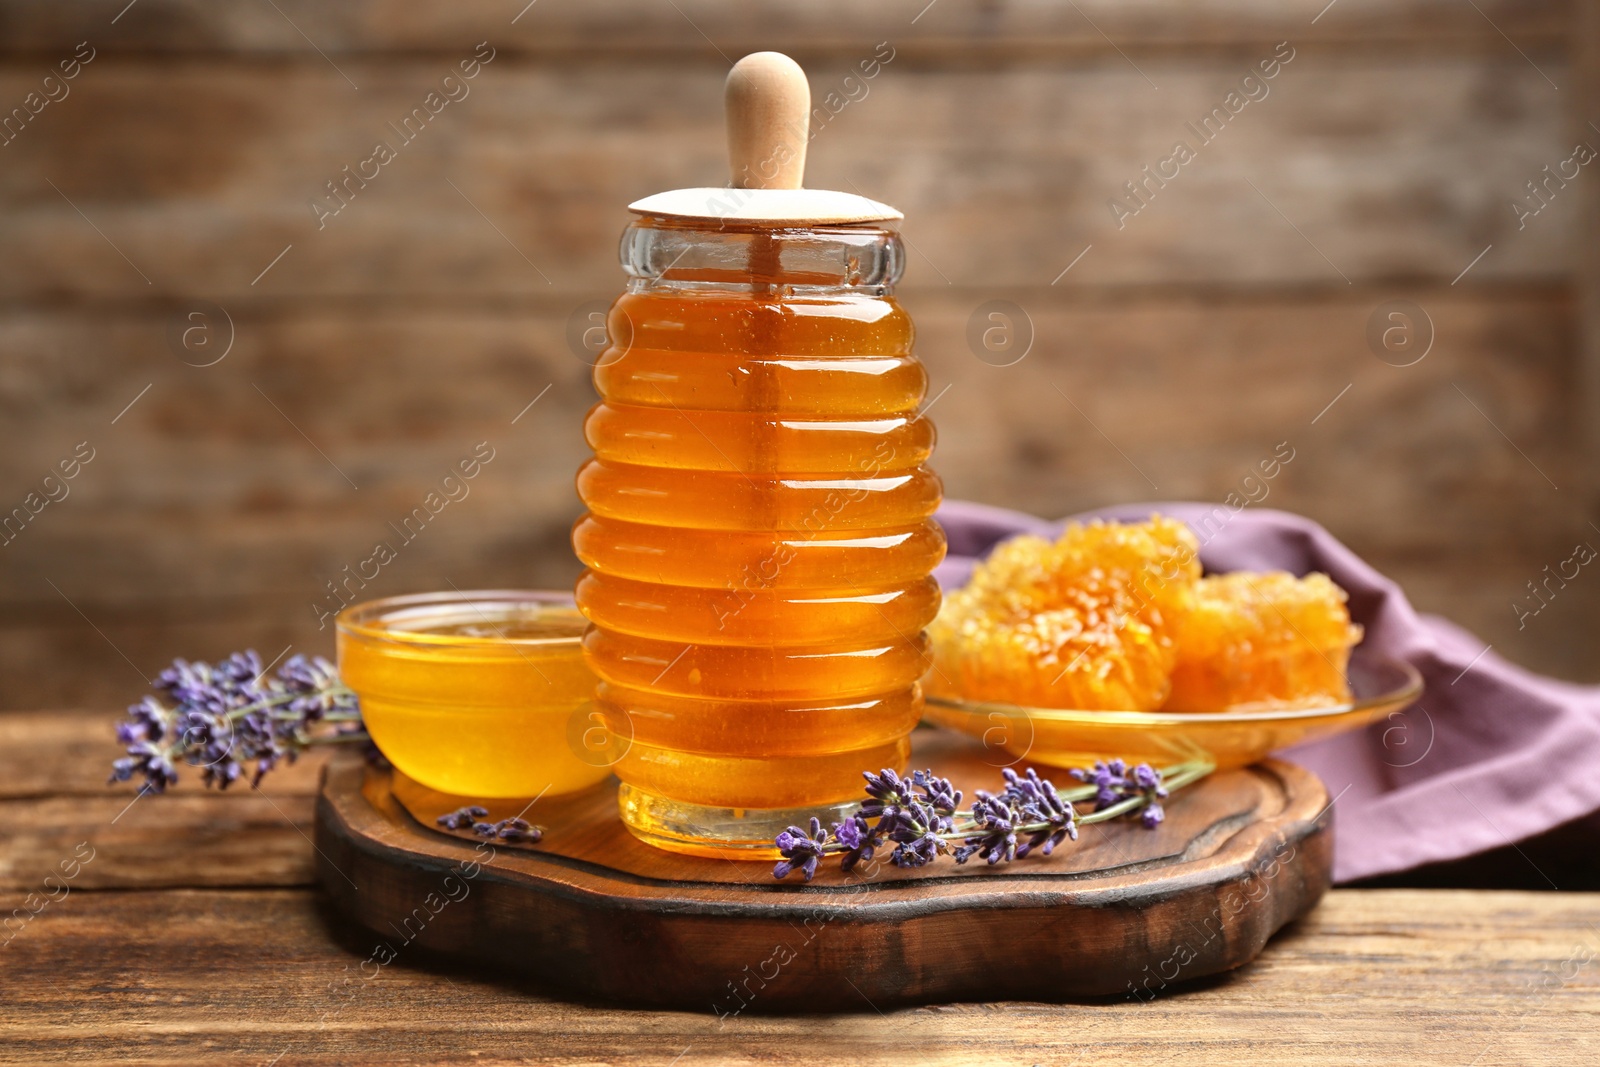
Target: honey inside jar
[(479, 694), (759, 537)]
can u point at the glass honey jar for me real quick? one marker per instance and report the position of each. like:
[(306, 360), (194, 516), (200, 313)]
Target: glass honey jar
[(759, 539)]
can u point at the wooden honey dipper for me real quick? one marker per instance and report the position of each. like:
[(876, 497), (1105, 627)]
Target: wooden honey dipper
[(768, 105)]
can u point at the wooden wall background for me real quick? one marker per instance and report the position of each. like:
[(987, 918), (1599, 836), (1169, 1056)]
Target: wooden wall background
[(425, 316)]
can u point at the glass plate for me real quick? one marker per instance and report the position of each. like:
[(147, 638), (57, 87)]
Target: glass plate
[(1061, 737)]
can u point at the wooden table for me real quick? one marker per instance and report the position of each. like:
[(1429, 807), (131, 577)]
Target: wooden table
[(194, 934)]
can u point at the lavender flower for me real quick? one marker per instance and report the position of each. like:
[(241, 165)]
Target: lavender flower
[(996, 839), (523, 834), (1036, 801), (915, 829), (801, 850), (917, 852), (911, 812), (516, 831), (1108, 778), (462, 818), (938, 794), (885, 793), (860, 839), (851, 833), (228, 718), (1115, 782)]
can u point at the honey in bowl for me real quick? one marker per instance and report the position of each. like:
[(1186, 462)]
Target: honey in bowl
[(478, 694)]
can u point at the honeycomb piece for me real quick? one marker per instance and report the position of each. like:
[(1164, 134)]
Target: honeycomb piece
[(1263, 641), (1084, 622)]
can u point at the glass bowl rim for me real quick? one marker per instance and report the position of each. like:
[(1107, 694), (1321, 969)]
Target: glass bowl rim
[(361, 618), (1402, 694)]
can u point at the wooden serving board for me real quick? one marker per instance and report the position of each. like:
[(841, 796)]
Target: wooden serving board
[(592, 912)]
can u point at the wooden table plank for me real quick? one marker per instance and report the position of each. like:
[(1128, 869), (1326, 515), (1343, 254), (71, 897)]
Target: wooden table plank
[(69, 753), (553, 153), (706, 27), (54, 797), (1378, 977), (247, 839)]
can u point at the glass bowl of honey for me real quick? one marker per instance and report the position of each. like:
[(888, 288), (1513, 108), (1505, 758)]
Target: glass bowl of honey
[(479, 693)]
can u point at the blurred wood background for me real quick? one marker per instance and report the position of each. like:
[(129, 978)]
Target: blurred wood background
[(370, 355)]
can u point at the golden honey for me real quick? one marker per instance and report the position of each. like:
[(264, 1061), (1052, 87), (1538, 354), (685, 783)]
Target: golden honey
[(759, 537), (479, 694)]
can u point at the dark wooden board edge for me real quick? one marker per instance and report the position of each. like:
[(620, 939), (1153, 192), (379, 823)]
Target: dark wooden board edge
[(763, 947)]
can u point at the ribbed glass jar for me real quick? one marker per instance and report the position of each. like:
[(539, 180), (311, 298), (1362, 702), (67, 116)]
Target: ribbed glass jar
[(759, 537)]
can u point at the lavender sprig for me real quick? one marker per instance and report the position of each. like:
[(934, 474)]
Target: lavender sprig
[(224, 717), (922, 816), (514, 830)]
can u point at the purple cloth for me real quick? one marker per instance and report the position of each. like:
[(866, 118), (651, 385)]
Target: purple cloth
[(1489, 756)]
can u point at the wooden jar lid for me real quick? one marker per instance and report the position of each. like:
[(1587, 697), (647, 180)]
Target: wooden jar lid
[(779, 207), (768, 106)]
